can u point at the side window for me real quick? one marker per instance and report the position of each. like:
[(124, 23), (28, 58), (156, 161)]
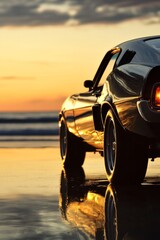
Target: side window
[(108, 69)]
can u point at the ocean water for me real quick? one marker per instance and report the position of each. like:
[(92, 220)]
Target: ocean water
[(29, 129)]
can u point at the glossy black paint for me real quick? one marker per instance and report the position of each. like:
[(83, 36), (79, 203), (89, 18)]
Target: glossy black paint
[(127, 92)]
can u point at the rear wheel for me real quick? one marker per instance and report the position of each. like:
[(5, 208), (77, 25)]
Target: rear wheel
[(71, 148), (125, 160)]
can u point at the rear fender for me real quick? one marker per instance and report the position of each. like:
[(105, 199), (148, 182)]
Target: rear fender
[(105, 108), (152, 78)]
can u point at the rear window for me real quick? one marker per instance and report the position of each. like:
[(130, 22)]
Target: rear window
[(155, 43)]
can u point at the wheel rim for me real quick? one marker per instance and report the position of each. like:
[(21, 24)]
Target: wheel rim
[(63, 140), (110, 146)]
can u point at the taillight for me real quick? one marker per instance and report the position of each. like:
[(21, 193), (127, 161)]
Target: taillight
[(156, 95)]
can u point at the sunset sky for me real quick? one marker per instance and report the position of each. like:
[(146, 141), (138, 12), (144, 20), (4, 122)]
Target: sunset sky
[(48, 48)]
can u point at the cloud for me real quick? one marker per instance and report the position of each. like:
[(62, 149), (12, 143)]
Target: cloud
[(24, 13), (60, 12)]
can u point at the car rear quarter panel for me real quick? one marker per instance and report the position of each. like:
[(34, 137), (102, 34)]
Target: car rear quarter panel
[(126, 86)]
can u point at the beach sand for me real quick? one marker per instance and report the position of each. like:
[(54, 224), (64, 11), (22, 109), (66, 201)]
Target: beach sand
[(29, 192)]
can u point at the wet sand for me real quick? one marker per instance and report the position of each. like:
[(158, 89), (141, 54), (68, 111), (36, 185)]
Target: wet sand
[(29, 192)]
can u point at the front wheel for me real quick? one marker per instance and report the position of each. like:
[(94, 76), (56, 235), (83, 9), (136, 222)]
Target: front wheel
[(71, 148), (125, 160)]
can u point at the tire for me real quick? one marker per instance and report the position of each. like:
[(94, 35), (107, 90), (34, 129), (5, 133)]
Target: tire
[(71, 148), (125, 160)]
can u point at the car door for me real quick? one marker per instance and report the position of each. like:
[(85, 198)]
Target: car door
[(86, 102)]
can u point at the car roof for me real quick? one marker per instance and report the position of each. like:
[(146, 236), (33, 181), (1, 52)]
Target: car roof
[(147, 51), (141, 53), (141, 40)]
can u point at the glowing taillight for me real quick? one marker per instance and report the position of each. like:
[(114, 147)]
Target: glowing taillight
[(156, 96)]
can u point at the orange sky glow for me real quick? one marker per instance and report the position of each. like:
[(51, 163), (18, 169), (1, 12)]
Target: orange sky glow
[(41, 65)]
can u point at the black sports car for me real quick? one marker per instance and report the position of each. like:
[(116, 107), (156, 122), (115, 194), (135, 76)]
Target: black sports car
[(119, 115)]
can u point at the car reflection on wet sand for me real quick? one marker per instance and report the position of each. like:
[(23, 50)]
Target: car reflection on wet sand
[(99, 210)]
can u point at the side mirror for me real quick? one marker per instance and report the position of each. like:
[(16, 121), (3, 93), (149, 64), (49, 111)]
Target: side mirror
[(88, 83)]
